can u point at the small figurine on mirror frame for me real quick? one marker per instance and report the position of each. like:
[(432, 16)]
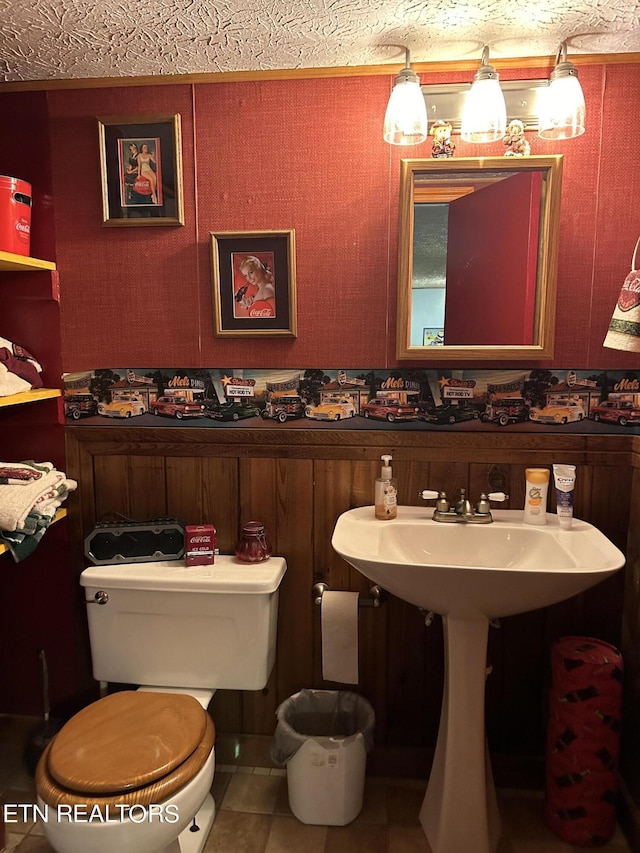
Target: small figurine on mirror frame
[(442, 145), (515, 140)]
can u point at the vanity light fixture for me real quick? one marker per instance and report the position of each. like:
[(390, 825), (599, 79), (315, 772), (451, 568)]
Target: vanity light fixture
[(553, 107), (484, 115), (562, 111), (405, 121)]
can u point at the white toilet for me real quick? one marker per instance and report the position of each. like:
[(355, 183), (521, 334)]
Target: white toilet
[(133, 771)]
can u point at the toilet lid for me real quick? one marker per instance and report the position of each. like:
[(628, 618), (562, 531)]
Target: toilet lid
[(125, 741)]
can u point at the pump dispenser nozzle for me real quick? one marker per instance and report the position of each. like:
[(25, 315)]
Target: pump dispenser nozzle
[(386, 473)]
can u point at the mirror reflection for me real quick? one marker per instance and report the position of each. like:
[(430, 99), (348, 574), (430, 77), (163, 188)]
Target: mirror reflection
[(477, 264)]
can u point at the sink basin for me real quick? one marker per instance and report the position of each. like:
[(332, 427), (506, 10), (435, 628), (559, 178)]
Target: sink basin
[(470, 574), (493, 570)]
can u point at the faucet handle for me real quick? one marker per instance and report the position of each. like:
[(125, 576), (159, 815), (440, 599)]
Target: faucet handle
[(442, 504), (483, 507), (428, 495)]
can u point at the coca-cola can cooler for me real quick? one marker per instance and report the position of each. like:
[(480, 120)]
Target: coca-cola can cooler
[(200, 544), (15, 215)]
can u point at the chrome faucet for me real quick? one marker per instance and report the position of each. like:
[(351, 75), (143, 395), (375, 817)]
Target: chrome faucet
[(462, 511)]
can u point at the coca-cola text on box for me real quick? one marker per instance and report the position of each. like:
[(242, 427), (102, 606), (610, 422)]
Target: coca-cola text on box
[(200, 543)]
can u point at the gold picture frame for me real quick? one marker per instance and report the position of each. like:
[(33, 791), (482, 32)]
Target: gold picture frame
[(254, 283), (141, 170)]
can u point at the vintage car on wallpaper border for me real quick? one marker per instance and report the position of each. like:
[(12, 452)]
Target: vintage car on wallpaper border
[(77, 405), (505, 410), (564, 412), (126, 406), (621, 412), (282, 406), (390, 409), (230, 410), (332, 408), (447, 413), (177, 407)]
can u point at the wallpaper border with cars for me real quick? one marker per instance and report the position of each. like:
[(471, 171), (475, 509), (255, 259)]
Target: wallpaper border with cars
[(600, 401)]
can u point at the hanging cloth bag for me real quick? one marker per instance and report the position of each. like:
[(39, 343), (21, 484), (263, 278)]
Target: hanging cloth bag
[(624, 328)]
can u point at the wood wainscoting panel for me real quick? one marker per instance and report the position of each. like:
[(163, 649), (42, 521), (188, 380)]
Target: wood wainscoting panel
[(298, 481), (630, 754), (129, 486), (204, 490)]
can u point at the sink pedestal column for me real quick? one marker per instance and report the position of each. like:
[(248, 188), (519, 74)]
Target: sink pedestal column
[(460, 810)]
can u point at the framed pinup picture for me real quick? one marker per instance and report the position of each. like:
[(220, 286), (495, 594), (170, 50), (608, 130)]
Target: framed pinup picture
[(254, 283), (432, 337), (141, 166)]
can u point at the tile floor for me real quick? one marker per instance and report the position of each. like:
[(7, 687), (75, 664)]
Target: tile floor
[(254, 817)]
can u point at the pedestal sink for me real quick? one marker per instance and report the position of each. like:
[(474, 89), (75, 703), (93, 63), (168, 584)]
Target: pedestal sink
[(470, 574)]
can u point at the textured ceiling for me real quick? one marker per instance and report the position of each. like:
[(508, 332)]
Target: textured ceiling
[(61, 39)]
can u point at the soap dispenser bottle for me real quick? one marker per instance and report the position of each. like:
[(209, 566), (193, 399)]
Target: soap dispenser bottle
[(386, 493)]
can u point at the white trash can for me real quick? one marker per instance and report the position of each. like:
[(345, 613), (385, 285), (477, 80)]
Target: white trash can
[(323, 737)]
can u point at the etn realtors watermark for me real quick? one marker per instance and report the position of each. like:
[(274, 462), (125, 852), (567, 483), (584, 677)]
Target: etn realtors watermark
[(84, 813)]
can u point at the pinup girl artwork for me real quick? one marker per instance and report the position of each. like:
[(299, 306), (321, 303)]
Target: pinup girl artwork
[(140, 178), (254, 293)]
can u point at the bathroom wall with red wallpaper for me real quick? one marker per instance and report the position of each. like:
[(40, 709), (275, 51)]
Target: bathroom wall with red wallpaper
[(308, 154)]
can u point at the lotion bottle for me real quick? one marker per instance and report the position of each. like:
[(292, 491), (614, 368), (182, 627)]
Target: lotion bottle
[(386, 492), (535, 501)]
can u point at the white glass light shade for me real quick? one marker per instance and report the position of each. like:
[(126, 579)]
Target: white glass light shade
[(405, 121), (562, 110), (484, 115)]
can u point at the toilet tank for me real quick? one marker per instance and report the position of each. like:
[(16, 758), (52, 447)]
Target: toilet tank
[(171, 625)]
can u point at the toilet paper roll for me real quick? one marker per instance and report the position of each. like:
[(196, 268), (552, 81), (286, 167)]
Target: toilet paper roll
[(340, 637)]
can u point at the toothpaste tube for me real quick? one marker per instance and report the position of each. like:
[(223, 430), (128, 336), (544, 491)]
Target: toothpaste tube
[(564, 477)]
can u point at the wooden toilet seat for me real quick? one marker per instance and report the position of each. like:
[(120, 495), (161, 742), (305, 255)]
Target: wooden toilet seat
[(128, 748)]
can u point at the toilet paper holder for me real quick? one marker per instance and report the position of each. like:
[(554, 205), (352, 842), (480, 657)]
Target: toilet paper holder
[(377, 595)]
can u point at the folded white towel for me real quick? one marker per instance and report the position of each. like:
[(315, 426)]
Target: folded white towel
[(16, 502)]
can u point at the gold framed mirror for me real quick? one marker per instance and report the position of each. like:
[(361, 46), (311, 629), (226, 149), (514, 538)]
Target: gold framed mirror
[(477, 258)]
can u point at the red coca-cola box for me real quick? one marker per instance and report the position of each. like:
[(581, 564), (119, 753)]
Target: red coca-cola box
[(199, 544)]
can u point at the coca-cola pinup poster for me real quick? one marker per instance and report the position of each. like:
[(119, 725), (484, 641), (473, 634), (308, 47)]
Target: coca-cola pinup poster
[(254, 283), (141, 164)]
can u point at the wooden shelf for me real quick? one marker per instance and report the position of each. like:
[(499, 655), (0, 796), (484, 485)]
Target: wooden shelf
[(61, 513), (22, 263), (30, 396)]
